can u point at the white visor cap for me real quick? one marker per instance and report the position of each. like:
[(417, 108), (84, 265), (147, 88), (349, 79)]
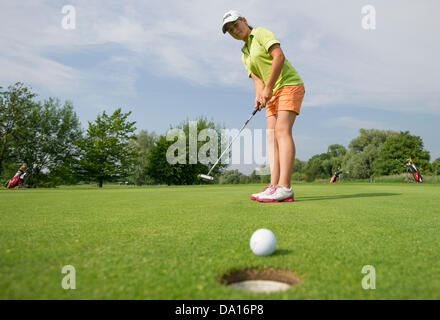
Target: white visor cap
[(230, 16)]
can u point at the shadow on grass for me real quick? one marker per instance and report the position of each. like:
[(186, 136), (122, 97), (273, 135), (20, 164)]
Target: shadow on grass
[(347, 196), (281, 252)]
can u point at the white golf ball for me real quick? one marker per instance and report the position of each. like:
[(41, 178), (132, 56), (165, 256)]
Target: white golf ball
[(263, 242)]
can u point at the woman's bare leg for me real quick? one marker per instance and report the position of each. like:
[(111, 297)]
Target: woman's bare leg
[(272, 147), (286, 146)]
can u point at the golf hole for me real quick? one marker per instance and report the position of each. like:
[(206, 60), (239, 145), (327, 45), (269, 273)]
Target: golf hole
[(260, 280)]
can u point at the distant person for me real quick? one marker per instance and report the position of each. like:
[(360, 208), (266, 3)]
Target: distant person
[(336, 175), (415, 172), (18, 178), (278, 88)]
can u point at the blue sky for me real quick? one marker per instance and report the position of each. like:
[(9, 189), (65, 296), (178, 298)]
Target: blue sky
[(168, 61)]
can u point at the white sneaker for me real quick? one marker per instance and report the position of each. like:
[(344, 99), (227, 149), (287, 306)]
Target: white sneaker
[(266, 189), (281, 194)]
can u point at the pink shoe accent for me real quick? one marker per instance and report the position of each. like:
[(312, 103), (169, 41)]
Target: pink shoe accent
[(290, 199), (255, 198), (271, 192)]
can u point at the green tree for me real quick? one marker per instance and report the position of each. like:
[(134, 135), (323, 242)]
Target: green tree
[(363, 152), (106, 154), (232, 177), (244, 179), (299, 170), (396, 150), (337, 153), (254, 177), (144, 142), (322, 166), (157, 167), (336, 150), (435, 166), (357, 165), (319, 166), (49, 147), (369, 137), (184, 169), (15, 108), (299, 166)]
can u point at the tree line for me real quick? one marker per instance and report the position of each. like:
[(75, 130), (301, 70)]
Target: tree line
[(47, 136), (373, 153)]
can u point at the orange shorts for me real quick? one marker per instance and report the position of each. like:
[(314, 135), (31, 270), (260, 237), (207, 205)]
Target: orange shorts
[(286, 98)]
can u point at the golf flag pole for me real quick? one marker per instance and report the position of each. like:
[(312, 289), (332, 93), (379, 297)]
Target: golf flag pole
[(207, 176)]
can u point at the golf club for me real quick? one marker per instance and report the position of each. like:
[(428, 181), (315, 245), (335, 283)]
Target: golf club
[(207, 176)]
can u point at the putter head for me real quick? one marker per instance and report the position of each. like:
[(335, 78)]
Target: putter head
[(206, 177)]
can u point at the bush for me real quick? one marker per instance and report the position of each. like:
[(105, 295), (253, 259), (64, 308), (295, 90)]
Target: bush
[(403, 177), (435, 166), (298, 176)]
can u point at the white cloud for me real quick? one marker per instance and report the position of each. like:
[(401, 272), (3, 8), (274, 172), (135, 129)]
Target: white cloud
[(339, 61), (354, 123)]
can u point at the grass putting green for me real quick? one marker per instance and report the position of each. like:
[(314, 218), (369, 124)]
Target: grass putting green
[(176, 242)]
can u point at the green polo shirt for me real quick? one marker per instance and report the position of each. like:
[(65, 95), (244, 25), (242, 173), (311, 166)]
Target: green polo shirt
[(258, 60)]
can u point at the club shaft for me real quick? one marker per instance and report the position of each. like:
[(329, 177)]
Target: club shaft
[(245, 124)]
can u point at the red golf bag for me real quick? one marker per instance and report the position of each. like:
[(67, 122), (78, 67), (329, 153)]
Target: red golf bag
[(16, 180), (336, 175), (415, 172)]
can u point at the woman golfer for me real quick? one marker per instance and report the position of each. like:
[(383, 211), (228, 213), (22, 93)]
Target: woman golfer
[(280, 90)]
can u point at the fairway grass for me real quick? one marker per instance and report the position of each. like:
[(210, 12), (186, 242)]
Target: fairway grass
[(176, 242)]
